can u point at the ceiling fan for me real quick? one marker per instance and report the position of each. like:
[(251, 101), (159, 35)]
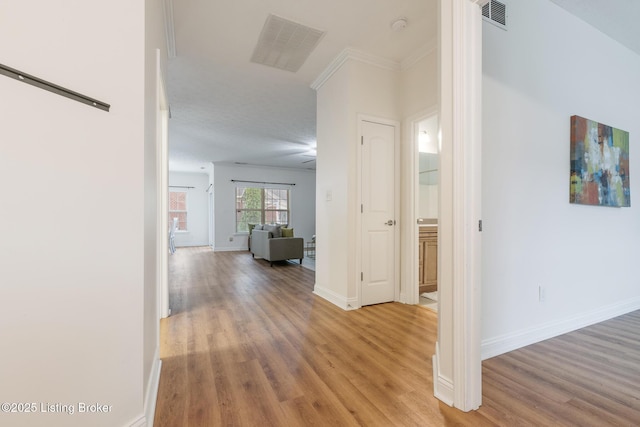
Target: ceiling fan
[(310, 160), (301, 150)]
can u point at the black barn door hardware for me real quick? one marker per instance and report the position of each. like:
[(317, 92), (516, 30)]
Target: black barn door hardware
[(43, 84)]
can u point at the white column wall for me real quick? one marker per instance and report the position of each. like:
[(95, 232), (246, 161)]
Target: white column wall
[(457, 368), (355, 88), (333, 163)]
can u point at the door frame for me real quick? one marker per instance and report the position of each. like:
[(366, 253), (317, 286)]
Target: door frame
[(210, 216), (396, 202), (410, 229), (457, 368), (162, 182)]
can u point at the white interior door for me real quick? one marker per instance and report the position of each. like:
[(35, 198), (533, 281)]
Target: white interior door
[(378, 182)]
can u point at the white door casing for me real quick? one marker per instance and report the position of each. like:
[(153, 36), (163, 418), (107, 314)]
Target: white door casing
[(457, 366), (378, 236), (162, 173), (410, 207)]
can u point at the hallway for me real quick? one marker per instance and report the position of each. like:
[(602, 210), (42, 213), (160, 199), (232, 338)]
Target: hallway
[(250, 345)]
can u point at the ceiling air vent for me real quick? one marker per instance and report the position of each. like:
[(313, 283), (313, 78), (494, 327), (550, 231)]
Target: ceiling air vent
[(285, 44), (495, 13)]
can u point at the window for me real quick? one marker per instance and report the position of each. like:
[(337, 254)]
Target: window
[(178, 208), (261, 206)]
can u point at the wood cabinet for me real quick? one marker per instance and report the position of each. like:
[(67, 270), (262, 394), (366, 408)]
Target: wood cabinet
[(428, 259)]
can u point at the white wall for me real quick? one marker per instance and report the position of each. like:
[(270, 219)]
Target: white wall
[(355, 88), (362, 88), (547, 67), (428, 201), (73, 254), (333, 162), (302, 200), (419, 83), (197, 233), (428, 169)]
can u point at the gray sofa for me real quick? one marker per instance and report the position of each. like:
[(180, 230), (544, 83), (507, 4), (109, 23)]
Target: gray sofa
[(276, 248)]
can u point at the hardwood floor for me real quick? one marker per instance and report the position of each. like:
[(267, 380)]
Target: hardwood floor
[(250, 345)]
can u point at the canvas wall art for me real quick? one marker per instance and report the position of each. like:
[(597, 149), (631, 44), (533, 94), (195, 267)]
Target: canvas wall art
[(599, 164)]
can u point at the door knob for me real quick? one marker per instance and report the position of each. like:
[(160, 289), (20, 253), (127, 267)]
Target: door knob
[(390, 222)]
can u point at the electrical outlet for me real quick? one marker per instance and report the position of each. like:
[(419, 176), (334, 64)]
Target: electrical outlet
[(542, 294), (231, 239)]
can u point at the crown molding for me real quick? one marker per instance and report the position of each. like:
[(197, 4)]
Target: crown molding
[(169, 28), (420, 53), (355, 55)]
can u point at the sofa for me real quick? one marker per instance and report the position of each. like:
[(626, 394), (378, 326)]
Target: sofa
[(267, 244)]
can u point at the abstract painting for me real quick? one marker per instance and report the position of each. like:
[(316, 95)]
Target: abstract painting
[(599, 164)]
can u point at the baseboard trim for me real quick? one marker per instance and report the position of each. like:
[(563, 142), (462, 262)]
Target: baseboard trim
[(140, 422), (192, 245), (403, 297), (496, 346), (231, 249), (153, 384), (152, 389), (442, 387), (334, 298)]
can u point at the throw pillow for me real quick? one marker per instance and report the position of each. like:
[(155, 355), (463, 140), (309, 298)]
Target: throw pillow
[(276, 230), (251, 227), (287, 232), (258, 227)]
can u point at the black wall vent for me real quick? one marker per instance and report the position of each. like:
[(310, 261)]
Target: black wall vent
[(495, 13)]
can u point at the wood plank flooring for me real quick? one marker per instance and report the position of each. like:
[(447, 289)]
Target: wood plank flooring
[(250, 345)]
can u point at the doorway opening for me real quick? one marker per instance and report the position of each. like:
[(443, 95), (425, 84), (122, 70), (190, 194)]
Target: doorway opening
[(428, 153)]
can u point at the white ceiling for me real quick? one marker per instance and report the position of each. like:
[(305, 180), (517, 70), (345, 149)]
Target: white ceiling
[(619, 19), (227, 109)]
